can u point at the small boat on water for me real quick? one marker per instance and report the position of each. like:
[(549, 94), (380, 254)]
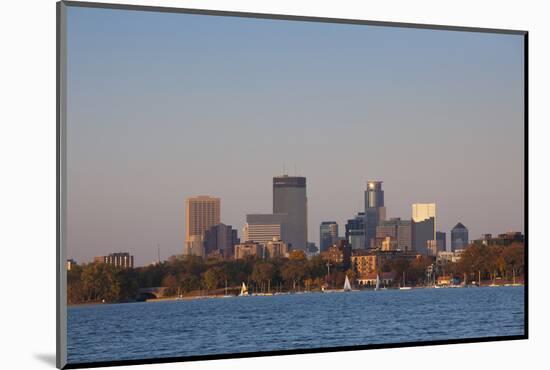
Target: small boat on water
[(244, 290), (347, 288), (377, 287), (347, 285)]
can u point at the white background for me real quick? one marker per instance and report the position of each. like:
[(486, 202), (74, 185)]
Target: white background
[(27, 184)]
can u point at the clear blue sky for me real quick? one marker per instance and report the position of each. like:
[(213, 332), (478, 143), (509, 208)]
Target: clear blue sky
[(166, 106)]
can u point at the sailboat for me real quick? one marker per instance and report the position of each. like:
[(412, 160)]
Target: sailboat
[(347, 285), (244, 290), (377, 282), (404, 287)]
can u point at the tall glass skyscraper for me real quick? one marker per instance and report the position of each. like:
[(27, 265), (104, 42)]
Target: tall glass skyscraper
[(201, 213), (328, 234), (289, 197), (424, 226), (459, 237), (355, 231), (374, 209)]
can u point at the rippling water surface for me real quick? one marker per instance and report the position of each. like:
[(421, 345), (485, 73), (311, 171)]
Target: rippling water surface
[(266, 323)]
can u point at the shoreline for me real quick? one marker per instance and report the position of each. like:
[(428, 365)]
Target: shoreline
[(218, 296)]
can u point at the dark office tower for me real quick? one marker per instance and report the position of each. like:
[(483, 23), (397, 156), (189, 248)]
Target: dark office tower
[(289, 197), (328, 234), (355, 231), (220, 239), (441, 240), (459, 237), (374, 210)]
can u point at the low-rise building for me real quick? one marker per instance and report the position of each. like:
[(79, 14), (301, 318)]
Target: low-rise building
[(70, 264), (370, 261), (365, 262), (339, 253), (369, 280), (194, 246), (120, 260), (501, 239), (246, 249), (276, 248)]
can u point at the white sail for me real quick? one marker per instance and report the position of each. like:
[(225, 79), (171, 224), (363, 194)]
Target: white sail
[(244, 289), (377, 282), (347, 285)]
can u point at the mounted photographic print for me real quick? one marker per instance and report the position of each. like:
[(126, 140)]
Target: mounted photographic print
[(235, 184)]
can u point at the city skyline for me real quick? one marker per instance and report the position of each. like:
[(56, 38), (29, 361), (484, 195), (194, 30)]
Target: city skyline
[(436, 115), (272, 224)]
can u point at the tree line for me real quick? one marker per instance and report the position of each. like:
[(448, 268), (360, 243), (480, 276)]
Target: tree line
[(490, 262), (192, 275)]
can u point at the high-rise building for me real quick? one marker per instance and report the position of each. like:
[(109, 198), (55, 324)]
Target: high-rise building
[(328, 234), (201, 213), (459, 237), (441, 240), (289, 197), (355, 231), (424, 226), (262, 228), (375, 211), (434, 247), (398, 229), (220, 238)]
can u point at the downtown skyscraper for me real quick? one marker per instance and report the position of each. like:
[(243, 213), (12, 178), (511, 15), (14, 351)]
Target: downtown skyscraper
[(201, 213), (289, 198), (459, 237), (424, 226), (375, 211), (328, 234)]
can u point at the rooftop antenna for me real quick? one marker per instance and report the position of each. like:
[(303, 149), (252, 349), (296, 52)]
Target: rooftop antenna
[(284, 168)]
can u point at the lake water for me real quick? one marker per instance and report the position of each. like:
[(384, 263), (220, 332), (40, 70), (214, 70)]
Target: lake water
[(297, 321)]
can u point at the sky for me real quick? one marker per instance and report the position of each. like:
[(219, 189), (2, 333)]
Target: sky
[(165, 106)]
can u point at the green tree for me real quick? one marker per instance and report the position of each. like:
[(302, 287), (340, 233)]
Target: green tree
[(263, 273), (212, 277)]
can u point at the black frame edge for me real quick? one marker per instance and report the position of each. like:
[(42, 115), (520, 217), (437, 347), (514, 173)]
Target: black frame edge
[(151, 361), (61, 273), (288, 17)]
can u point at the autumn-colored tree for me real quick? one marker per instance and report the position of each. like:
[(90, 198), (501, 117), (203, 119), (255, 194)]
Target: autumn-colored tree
[(297, 255), (293, 272), (188, 282), (170, 283), (352, 275)]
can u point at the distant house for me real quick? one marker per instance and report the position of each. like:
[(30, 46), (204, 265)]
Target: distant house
[(366, 280)]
